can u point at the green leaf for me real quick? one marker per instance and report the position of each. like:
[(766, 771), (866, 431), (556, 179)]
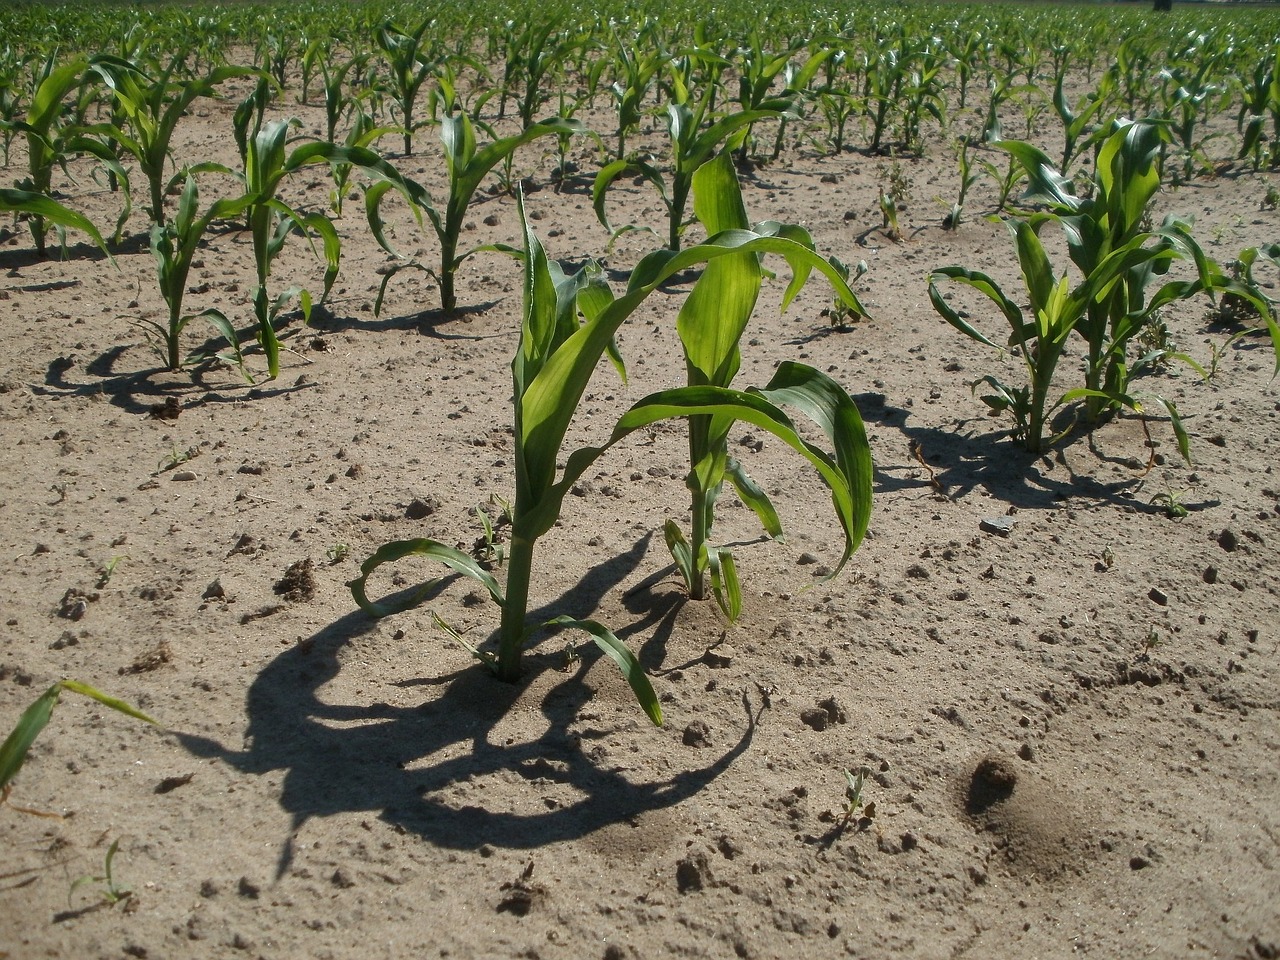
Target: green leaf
[(681, 553), (724, 582), (397, 550), (34, 719), (39, 205), (619, 653)]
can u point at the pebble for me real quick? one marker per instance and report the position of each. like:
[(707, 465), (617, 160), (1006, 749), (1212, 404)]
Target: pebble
[(1001, 525)]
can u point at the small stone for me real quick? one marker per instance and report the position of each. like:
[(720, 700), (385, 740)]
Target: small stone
[(342, 880), (1159, 596), (214, 591), (693, 872), (836, 712), (805, 559), (1210, 575), (298, 585), (999, 525), (1138, 862), (1025, 752), (184, 476), (719, 656), (1228, 541)]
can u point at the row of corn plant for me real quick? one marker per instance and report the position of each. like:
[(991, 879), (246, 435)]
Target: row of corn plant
[(569, 322)]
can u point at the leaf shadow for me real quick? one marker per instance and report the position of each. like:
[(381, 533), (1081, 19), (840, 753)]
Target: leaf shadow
[(961, 458), (404, 763), (141, 391)]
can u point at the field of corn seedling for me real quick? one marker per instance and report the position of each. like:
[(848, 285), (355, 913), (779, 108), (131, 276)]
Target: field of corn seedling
[(623, 482)]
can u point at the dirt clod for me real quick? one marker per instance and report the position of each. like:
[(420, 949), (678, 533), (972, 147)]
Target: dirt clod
[(697, 734), (693, 872), (298, 585)]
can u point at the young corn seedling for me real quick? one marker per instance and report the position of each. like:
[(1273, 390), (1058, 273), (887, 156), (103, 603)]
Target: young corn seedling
[(968, 177), (268, 161), (1260, 103), (692, 145), (174, 245), (1039, 341), (710, 325), (1078, 121), (53, 141), (411, 62), (568, 324), (467, 167), (49, 212), (152, 106), (1108, 238), (636, 72)]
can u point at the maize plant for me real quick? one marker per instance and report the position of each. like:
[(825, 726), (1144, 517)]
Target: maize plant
[(52, 142), (467, 166), (152, 106), (268, 161), (411, 62), (693, 143), (1110, 228), (174, 245), (710, 324)]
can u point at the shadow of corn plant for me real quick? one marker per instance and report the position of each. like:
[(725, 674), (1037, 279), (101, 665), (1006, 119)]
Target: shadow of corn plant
[(395, 760)]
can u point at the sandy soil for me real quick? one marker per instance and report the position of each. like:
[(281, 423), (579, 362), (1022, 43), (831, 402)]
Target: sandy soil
[(1070, 730)]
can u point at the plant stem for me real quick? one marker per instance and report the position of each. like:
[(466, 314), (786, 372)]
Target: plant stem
[(701, 506), (511, 633), (1035, 417), (449, 263)]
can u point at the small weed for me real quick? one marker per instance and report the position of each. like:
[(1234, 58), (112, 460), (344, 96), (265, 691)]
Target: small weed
[(107, 571), (1172, 503), (487, 549), (1155, 343), (176, 458), (1271, 199), (112, 892), (840, 315), (1150, 642), (570, 658), (854, 804), (894, 198), (337, 553)]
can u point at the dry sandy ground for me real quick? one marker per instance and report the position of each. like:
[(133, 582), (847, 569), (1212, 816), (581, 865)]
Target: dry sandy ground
[(1046, 781)]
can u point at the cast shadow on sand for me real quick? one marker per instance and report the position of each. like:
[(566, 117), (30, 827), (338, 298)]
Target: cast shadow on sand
[(953, 462), (145, 391), (395, 760)]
